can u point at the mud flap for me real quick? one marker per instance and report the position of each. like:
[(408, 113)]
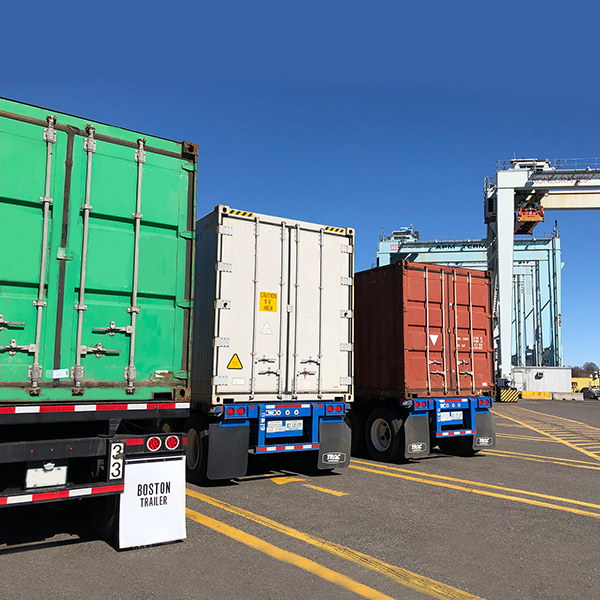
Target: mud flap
[(416, 435), (227, 451), (486, 431), (335, 440)]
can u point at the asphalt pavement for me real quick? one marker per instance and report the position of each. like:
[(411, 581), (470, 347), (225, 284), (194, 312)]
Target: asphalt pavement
[(519, 521)]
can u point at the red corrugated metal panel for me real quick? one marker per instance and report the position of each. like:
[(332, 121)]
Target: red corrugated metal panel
[(423, 329)]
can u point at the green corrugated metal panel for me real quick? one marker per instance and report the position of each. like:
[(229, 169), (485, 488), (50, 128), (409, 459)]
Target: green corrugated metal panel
[(167, 203)]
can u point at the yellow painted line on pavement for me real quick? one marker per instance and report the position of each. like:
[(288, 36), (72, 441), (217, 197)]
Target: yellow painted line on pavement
[(570, 460), (527, 438), (537, 412), (287, 557), (332, 492), (408, 579), (541, 459), (283, 479), (482, 492), (555, 438)]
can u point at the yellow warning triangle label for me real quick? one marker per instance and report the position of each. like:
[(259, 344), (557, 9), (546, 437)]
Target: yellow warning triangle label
[(235, 362)]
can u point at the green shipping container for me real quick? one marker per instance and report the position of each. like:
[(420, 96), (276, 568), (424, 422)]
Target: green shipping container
[(97, 234)]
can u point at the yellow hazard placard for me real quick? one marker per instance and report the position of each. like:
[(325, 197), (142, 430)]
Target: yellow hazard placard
[(235, 362), (268, 302)]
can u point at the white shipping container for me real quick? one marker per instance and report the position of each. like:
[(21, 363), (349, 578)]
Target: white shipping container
[(542, 379), (273, 309)]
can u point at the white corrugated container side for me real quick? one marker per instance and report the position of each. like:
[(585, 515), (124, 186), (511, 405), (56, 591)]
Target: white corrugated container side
[(273, 309), (542, 379)]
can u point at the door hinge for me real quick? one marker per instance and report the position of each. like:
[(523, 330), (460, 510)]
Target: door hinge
[(188, 235), (346, 314), (345, 380), (224, 267), (189, 167), (219, 380), (182, 375), (224, 230), (221, 342), (346, 347), (184, 303), (346, 280)]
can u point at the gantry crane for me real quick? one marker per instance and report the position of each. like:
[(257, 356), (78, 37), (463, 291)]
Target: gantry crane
[(516, 200)]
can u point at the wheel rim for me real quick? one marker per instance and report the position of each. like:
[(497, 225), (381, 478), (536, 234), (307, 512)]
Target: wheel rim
[(192, 452), (381, 435)]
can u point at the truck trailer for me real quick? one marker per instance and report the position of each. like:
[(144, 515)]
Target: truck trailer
[(272, 359), (424, 361), (96, 282)]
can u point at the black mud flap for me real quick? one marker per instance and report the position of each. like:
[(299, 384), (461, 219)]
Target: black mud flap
[(486, 431), (335, 440), (227, 451), (416, 435)]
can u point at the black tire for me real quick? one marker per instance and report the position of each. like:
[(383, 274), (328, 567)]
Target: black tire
[(384, 434), (196, 452), (103, 513), (457, 446), (355, 421)]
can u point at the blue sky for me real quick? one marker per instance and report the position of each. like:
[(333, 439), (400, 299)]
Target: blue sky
[(361, 114)]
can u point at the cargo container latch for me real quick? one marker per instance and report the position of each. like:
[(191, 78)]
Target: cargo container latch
[(112, 329), (98, 350), (4, 323)]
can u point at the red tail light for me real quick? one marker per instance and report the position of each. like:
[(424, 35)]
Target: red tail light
[(153, 443), (330, 409), (338, 408), (241, 411), (172, 442), (230, 412)]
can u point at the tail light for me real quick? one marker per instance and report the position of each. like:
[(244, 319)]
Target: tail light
[(230, 412), (330, 409), (241, 411), (172, 442), (154, 443)]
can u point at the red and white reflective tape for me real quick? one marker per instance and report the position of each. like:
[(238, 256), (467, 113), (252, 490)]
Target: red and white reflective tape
[(70, 408), (75, 493), (449, 433), (283, 448)]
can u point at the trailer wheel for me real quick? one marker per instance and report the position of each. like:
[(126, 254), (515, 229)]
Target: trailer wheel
[(196, 453), (384, 434), (103, 513), (458, 446)]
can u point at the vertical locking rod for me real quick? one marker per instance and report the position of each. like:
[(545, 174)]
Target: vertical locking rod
[(471, 335), (134, 309), (255, 309), (443, 307), (281, 309), (36, 369), (426, 272), (456, 334), (320, 356), (89, 145), (296, 286)]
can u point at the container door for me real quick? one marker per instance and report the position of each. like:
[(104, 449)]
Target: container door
[(251, 332), (468, 332), (32, 164), (425, 318), (321, 319), (123, 315)]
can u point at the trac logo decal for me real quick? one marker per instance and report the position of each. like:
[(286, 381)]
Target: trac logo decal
[(334, 458), (484, 441), (417, 448)]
